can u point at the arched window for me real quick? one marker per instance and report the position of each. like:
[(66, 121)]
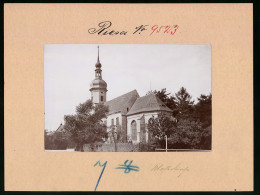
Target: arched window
[(133, 131)]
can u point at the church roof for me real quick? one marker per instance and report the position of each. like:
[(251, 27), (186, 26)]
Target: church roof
[(148, 103), (122, 103)]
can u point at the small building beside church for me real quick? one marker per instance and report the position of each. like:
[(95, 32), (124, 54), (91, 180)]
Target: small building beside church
[(129, 110)]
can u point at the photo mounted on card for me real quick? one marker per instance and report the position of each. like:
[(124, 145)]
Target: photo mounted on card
[(128, 97)]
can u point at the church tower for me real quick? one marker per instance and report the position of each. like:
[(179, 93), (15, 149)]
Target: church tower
[(98, 86)]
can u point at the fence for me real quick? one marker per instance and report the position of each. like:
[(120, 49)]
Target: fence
[(104, 147)]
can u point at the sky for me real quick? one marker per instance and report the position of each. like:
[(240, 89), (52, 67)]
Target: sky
[(69, 70)]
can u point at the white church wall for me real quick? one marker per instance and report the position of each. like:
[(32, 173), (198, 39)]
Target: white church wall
[(108, 122), (96, 96), (130, 119), (137, 118), (114, 116)]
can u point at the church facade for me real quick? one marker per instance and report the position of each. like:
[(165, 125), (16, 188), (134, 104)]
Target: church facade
[(129, 111)]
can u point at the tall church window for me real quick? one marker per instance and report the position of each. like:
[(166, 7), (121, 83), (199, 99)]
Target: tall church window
[(117, 121), (149, 133), (142, 130), (112, 121), (133, 131), (101, 98)]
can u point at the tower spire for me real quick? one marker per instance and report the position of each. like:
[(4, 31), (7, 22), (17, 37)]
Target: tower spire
[(98, 86), (98, 67), (98, 53)]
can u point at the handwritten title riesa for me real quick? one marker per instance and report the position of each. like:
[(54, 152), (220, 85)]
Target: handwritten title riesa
[(105, 28)]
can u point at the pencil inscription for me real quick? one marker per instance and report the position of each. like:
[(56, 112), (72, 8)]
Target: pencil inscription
[(179, 168)]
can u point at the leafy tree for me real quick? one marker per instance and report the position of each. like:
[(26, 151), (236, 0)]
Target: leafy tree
[(116, 135), (60, 139), (188, 135), (121, 135), (189, 132), (160, 126), (206, 138), (86, 125), (48, 140), (203, 110), (56, 140)]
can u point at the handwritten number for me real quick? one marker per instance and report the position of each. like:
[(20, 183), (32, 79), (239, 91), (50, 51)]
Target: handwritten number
[(127, 166), (104, 166), (175, 29)]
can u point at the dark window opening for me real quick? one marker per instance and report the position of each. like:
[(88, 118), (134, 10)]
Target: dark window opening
[(117, 121), (112, 121), (101, 98), (133, 131)]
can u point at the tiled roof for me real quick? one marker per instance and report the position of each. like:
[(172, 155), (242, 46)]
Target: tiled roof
[(148, 103), (122, 103)]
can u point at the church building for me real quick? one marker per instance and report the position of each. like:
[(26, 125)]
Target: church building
[(129, 110)]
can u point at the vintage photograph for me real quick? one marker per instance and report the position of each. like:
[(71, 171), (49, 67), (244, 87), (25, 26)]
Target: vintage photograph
[(127, 98)]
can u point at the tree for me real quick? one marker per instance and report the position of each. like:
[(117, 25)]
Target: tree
[(160, 126), (56, 140), (206, 138), (203, 109), (189, 134), (48, 140), (166, 98), (184, 104), (116, 135), (60, 139), (203, 112), (86, 125)]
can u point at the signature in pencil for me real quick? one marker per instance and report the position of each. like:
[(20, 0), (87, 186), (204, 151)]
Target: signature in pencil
[(179, 168)]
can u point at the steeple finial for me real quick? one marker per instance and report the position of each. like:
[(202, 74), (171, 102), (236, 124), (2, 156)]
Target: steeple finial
[(98, 53), (98, 67)]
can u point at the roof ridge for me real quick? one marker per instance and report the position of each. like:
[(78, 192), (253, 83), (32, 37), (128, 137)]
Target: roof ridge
[(148, 103), (159, 101), (123, 95)]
